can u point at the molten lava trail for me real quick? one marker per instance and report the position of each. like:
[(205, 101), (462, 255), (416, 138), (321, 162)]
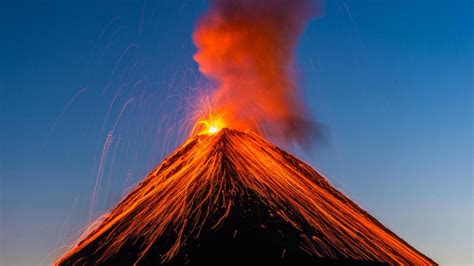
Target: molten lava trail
[(206, 175)]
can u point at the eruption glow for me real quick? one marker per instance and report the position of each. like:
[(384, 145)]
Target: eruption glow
[(209, 125), (247, 46)]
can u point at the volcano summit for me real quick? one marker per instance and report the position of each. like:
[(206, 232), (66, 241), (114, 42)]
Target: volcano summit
[(234, 198)]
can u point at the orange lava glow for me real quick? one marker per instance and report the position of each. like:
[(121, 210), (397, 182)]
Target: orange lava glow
[(203, 177), (210, 125)]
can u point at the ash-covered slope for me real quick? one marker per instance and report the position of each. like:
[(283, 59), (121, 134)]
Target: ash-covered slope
[(234, 198)]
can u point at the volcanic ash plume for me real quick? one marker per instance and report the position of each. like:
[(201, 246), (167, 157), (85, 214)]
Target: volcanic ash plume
[(248, 47)]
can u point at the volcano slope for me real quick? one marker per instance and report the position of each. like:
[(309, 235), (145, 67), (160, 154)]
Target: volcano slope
[(233, 198)]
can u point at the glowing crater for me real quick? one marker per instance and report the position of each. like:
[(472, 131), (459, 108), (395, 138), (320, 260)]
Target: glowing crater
[(210, 125)]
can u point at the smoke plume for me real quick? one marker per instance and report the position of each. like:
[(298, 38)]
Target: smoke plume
[(248, 48)]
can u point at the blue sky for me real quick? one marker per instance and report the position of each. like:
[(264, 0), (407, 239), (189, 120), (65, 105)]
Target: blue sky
[(98, 89)]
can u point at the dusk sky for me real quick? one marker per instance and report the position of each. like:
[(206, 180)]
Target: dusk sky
[(101, 90)]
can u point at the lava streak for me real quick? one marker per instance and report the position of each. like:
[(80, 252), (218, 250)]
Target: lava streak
[(248, 47), (203, 178)]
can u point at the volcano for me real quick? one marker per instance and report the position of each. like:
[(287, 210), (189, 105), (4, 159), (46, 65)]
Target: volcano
[(233, 198)]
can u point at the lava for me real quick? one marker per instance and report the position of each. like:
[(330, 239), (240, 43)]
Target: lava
[(207, 176), (213, 129), (209, 125)]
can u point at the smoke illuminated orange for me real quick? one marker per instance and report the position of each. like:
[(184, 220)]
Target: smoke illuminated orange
[(248, 48)]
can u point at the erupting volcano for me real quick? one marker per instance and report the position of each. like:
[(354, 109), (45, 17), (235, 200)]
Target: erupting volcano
[(232, 197), (228, 196)]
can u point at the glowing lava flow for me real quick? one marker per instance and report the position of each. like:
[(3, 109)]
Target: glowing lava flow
[(205, 176)]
